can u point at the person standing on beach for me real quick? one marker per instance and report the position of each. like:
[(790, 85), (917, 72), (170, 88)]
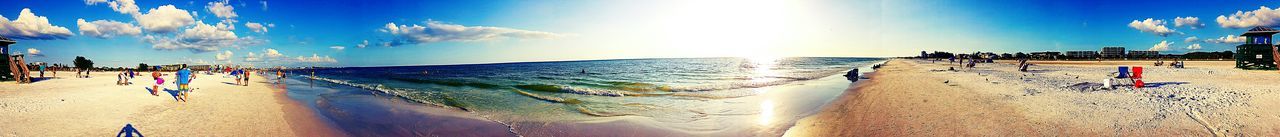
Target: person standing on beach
[(183, 78), (236, 74), (246, 73), (155, 74)]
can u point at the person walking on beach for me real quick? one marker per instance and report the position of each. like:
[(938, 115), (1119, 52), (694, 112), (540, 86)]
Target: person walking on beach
[(183, 78)]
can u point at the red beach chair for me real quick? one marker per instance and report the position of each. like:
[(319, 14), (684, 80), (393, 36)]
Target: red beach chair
[(1137, 77)]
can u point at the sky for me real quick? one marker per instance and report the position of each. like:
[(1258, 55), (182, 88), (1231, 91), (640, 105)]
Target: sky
[(265, 33)]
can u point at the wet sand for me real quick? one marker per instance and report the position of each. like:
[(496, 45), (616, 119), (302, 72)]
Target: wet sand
[(1058, 98), (69, 106)]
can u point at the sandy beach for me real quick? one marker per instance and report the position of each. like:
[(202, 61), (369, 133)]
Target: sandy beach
[(1055, 98), (69, 106)]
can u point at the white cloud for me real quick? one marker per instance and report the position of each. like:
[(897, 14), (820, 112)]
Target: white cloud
[(221, 9), (315, 59), (264, 5), (252, 58), (34, 52), (1151, 26), (1162, 46), (30, 26), (338, 47), (107, 28), (1192, 22), (1191, 39), (272, 53), (202, 38), (1263, 16), (165, 19), (1194, 47), (121, 6), (363, 44), (91, 2), (224, 56), (255, 27), (436, 31), (1229, 39)]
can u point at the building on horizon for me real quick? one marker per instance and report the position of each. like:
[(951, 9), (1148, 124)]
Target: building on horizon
[(1112, 52), (1046, 55), (1082, 54), (1143, 54)]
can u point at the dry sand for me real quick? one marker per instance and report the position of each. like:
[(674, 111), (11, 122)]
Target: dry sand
[(1056, 98), (69, 106)]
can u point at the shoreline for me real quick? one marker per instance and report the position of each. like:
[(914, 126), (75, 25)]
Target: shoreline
[(918, 98)]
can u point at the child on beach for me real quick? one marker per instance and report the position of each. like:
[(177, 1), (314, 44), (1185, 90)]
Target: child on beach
[(159, 81)]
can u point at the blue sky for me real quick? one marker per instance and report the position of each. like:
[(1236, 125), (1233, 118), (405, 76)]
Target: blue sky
[(411, 32)]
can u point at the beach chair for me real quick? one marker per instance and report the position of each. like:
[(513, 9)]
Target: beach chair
[(1137, 77), (1123, 72)]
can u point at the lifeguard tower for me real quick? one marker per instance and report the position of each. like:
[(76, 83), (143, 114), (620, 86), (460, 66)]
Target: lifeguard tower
[(17, 67), (1257, 53)]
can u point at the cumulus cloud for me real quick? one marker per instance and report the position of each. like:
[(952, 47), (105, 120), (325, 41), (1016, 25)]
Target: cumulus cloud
[(1229, 39), (1151, 26), (1263, 16), (165, 19), (107, 28), (121, 6), (30, 26), (338, 47), (221, 9), (224, 56), (272, 53), (34, 52), (315, 59), (435, 31), (202, 38), (1162, 46), (1194, 47), (363, 44), (1191, 39), (252, 58), (1191, 22), (256, 27)]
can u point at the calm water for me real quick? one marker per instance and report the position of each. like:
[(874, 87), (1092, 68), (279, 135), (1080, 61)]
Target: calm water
[(717, 96)]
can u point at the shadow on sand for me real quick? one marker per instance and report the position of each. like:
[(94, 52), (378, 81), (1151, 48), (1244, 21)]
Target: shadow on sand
[(1159, 84), (128, 131), (171, 92)]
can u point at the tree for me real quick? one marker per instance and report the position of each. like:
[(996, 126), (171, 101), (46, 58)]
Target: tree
[(83, 64), (142, 66)]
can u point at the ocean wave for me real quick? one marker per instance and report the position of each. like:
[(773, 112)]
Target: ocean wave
[(574, 90), (548, 98), (447, 102)]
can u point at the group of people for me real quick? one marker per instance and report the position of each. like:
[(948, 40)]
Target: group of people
[(182, 78), (124, 76), (240, 74)]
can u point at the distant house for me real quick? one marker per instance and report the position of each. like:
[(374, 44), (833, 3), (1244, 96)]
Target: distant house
[(1082, 54), (1112, 52), (1144, 54), (1046, 55)]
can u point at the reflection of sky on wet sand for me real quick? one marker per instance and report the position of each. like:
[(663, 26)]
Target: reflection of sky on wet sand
[(766, 113)]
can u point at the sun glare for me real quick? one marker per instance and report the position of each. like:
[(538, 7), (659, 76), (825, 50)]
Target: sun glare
[(728, 28)]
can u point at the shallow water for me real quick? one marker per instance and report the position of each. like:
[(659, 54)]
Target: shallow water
[(691, 96)]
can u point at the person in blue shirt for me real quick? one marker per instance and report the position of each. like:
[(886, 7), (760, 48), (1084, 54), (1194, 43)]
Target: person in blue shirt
[(183, 77)]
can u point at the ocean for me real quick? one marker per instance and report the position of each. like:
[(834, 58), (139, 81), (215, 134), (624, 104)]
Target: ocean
[(640, 97)]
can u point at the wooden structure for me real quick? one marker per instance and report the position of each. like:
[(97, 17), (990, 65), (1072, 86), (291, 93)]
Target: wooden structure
[(1257, 53), (17, 65)]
